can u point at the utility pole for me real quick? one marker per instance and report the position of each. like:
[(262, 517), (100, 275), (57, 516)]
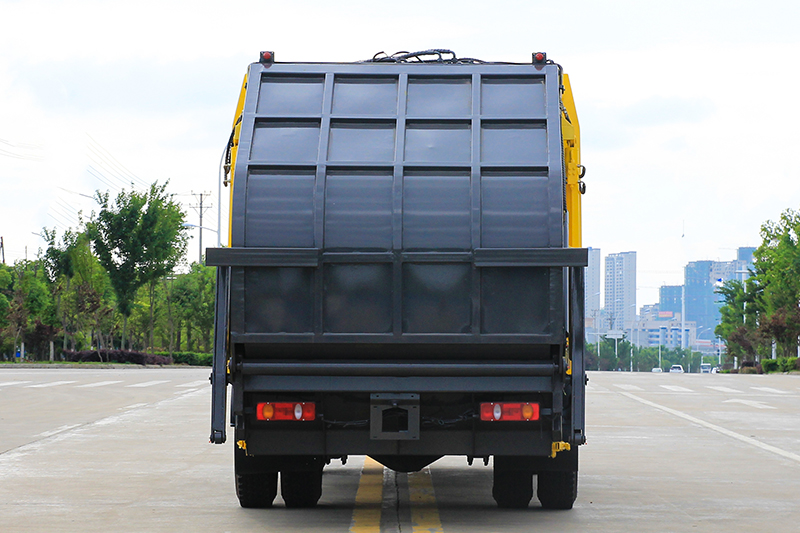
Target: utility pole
[(2, 250), (200, 208)]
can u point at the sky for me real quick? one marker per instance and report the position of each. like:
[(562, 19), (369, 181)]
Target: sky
[(688, 109)]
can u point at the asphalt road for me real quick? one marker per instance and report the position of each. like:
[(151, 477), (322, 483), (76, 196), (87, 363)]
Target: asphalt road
[(111, 450)]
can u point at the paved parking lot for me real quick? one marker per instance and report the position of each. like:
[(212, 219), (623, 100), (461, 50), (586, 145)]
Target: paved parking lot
[(102, 450)]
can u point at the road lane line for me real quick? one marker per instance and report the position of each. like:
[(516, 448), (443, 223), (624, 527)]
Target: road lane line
[(98, 384), (424, 513), (714, 427), (50, 384), (367, 511), (195, 383), (770, 390), (628, 387), (676, 388), (57, 430), (724, 389), (148, 383), (751, 403), (7, 383)]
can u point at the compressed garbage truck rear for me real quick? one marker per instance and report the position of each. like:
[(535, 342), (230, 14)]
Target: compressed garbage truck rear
[(405, 277)]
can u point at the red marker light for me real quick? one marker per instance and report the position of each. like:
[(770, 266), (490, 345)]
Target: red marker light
[(539, 57), (509, 412), (267, 57)]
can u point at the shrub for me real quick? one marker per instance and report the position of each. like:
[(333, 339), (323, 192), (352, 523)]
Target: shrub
[(190, 358), (787, 364), (770, 365), (748, 370), (114, 356)]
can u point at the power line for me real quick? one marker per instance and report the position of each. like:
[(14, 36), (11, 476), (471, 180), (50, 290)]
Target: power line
[(113, 161), (78, 193), (102, 178), (58, 221)]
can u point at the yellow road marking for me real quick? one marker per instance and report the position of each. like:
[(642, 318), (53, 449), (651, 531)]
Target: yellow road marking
[(424, 513), (367, 512)]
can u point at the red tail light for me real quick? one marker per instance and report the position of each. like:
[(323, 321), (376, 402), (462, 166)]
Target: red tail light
[(299, 411), (509, 412)]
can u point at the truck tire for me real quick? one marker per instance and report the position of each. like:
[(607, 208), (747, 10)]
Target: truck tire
[(301, 488), (512, 489), (256, 491), (557, 490)]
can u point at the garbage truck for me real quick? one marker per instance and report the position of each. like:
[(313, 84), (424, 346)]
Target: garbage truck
[(405, 276)]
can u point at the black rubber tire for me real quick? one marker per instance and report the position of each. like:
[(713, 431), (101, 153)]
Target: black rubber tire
[(257, 491), (512, 489), (557, 490), (301, 489)]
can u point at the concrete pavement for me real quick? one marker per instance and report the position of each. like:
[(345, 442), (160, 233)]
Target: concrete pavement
[(100, 450)]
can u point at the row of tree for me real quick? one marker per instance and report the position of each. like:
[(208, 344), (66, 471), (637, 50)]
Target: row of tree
[(760, 317), (624, 355), (116, 282)]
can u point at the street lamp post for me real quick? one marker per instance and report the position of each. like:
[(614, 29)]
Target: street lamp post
[(201, 228)]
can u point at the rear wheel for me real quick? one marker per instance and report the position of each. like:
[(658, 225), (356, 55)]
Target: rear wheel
[(301, 488), (557, 490), (512, 489), (256, 491)]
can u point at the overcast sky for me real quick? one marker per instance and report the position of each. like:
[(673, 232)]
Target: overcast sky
[(688, 109)]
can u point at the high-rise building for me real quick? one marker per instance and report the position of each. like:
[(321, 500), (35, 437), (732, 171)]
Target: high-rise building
[(669, 299), (701, 302), (592, 294), (702, 279), (744, 262), (620, 290)]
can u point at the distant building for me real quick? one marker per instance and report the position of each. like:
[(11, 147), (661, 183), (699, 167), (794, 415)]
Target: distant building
[(592, 291), (620, 290), (702, 279), (744, 262), (667, 333), (669, 300)]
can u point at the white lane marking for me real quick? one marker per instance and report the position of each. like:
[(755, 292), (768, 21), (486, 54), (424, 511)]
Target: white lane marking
[(57, 430), (628, 387), (770, 389), (187, 391), (134, 406), (676, 388), (98, 384), (718, 429), (195, 383), (751, 403), (50, 384), (7, 383), (148, 383), (723, 389)]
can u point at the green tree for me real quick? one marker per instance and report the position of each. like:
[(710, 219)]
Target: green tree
[(6, 294), (138, 238), (60, 270), (739, 317), (193, 294)]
